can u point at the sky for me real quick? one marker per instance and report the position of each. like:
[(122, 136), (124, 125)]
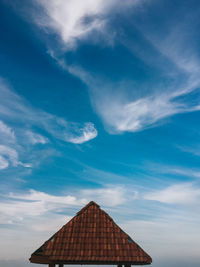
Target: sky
[(100, 100)]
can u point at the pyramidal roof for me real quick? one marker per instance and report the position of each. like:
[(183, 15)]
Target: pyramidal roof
[(91, 237)]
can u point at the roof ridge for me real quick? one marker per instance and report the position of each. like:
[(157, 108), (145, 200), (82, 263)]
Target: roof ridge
[(87, 206)]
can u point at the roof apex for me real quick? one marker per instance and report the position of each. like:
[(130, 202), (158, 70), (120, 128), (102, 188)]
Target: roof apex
[(91, 203)]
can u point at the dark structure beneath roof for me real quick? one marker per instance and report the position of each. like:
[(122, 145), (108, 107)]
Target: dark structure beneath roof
[(91, 237)]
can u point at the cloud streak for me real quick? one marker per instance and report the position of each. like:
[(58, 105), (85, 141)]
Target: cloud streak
[(15, 109), (120, 114), (140, 114), (3, 163), (107, 196), (75, 20), (84, 134), (10, 155), (6, 133), (122, 111), (36, 138), (184, 194), (16, 208)]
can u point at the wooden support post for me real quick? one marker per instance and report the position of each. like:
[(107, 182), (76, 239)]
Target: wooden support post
[(60, 265), (52, 265), (119, 265)]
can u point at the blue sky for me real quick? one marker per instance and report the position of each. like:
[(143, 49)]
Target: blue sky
[(99, 100)]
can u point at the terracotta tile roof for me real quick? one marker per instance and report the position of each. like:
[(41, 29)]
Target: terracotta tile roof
[(91, 237)]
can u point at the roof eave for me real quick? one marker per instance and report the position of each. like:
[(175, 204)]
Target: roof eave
[(46, 260)]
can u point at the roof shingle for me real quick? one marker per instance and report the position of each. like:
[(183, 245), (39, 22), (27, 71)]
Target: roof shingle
[(91, 237)]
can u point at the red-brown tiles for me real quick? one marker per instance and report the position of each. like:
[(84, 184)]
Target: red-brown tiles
[(92, 236)]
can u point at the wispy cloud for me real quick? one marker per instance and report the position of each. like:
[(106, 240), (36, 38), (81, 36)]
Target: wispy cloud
[(47, 225), (111, 196), (15, 109), (120, 114), (36, 138), (18, 207), (193, 149), (76, 133), (84, 134), (72, 20), (182, 58), (120, 111), (6, 133), (75, 20), (123, 115), (10, 155), (3, 163), (191, 173), (184, 193), (174, 170)]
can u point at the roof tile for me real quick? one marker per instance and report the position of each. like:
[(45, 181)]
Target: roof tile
[(92, 236)]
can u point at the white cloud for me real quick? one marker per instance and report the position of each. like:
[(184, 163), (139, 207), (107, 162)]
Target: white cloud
[(3, 163), (12, 105), (16, 208), (123, 115), (6, 133), (43, 197), (84, 134), (176, 170), (34, 203), (74, 20), (179, 48), (192, 173), (47, 224), (16, 108), (103, 177), (193, 149), (69, 18), (36, 138), (111, 196), (72, 132), (120, 113), (184, 193), (10, 155)]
